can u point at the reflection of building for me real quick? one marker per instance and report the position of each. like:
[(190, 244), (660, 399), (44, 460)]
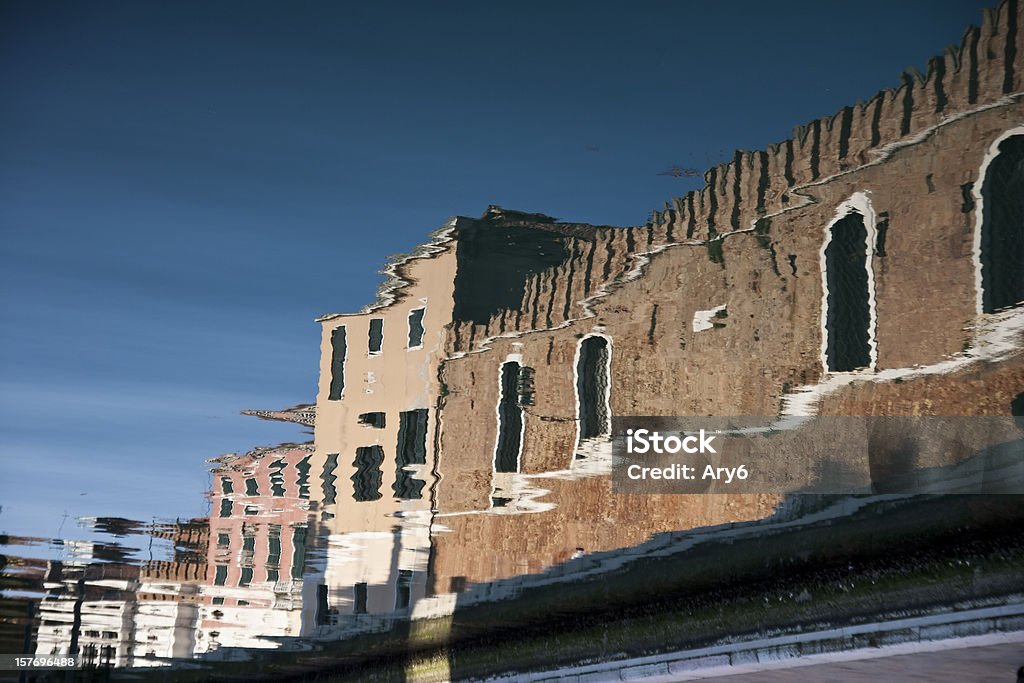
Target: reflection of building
[(116, 614), (870, 265), (376, 447), (258, 548), (168, 612), (90, 608), (236, 580)]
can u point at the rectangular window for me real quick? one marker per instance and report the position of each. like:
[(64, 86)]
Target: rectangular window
[(246, 577), (225, 485), (416, 328), (323, 616), (274, 545), (252, 488), (302, 470), (412, 450), (359, 598), (368, 476), (375, 420), (328, 478), (223, 541), (412, 437), (225, 507), (404, 593), (338, 349), (299, 554), (222, 575), (376, 335), (273, 575), (277, 478)]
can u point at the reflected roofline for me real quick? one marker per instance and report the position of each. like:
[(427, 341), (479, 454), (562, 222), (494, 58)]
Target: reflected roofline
[(390, 291)]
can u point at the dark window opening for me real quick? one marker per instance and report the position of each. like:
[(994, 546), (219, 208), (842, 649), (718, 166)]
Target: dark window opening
[(252, 487), (328, 478), (376, 335), (592, 383), (223, 540), (225, 486), (338, 349), (848, 312), (302, 469), (411, 450), (245, 578), (416, 327), (273, 575), (299, 553), (359, 598), (225, 507), (457, 584), (274, 545), (323, 615), (403, 595), (277, 478), (510, 421), (221, 576), (252, 510), (375, 420), (1002, 228), (368, 476)]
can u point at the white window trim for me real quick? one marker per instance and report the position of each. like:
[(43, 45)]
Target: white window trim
[(860, 203), (979, 213), (423, 323), (518, 360)]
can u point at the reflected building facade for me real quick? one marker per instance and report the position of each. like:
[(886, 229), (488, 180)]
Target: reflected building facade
[(870, 265), (376, 414), (850, 270), (115, 613), (253, 593)]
